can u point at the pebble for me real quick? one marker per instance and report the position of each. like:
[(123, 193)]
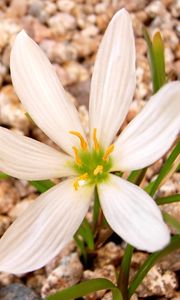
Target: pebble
[(68, 273), (66, 5), (107, 272), (4, 224), (8, 196), (61, 23), (17, 291), (109, 254), (12, 113), (20, 207), (159, 283)]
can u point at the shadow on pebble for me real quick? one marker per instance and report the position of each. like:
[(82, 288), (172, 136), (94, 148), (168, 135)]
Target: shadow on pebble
[(17, 291)]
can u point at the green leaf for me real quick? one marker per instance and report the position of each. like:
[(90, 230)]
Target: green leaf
[(165, 169), (4, 176), (82, 248), (42, 185), (151, 261), (85, 288), (123, 277), (96, 210), (171, 221), (168, 199), (137, 176), (158, 49), (156, 58), (86, 233)]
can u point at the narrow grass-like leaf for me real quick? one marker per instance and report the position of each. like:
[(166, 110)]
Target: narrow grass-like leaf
[(42, 185), (151, 261), (123, 277), (82, 248), (137, 176), (85, 288), (156, 59), (158, 50), (171, 221), (96, 210), (165, 169), (86, 232), (4, 176), (168, 199)]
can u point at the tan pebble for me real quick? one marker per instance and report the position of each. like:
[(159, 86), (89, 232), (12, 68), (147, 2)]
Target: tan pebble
[(66, 274), (8, 196), (11, 110), (6, 279), (85, 45), (62, 22), (174, 210), (158, 283), (155, 8), (4, 224), (167, 189), (109, 254), (20, 207), (138, 259), (90, 31), (171, 261), (17, 8), (36, 282), (107, 272), (66, 5), (76, 71), (101, 8), (50, 8), (66, 251)]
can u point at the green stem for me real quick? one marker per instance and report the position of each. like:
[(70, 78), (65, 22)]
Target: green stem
[(123, 277), (165, 169), (168, 199)]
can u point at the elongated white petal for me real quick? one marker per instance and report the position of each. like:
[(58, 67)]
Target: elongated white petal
[(151, 133), (41, 93), (44, 228), (113, 79), (25, 158), (133, 214)]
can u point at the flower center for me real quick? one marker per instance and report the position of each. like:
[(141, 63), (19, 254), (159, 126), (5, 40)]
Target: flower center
[(92, 165)]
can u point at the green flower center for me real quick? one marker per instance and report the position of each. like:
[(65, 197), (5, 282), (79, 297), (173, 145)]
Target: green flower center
[(92, 165)]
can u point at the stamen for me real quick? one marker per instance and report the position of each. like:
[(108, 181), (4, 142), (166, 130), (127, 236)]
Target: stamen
[(96, 144), (82, 140), (98, 170), (80, 181), (109, 150), (76, 154)]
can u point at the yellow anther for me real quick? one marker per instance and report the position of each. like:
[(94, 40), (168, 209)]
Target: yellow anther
[(80, 180), (109, 150), (98, 170), (82, 140), (96, 144), (77, 158)]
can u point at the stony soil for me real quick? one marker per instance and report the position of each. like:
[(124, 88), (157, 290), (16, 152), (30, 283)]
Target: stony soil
[(69, 32)]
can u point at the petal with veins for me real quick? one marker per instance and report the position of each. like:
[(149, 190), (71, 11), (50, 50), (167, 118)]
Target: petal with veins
[(152, 132), (25, 158), (113, 79), (133, 214), (44, 228), (42, 94)]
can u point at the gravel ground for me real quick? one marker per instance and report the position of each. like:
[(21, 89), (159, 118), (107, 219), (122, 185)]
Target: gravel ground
[(69, 32)]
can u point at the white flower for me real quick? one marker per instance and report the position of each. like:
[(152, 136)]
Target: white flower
[(51, 221)]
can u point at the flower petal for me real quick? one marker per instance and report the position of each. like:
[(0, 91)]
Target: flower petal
[(44, 228), (25, 158), (149, 136), (133, 214), (113, 79), (42, 94)]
